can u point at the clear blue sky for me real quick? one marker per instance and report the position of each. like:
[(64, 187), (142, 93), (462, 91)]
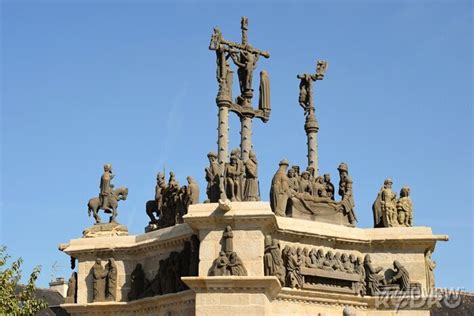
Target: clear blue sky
[(133, 83)]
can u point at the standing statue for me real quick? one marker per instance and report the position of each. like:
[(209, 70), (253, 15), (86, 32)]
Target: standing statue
[(430, 265), (71, 294), (373, 279), (345, 191), (293, 182), (227, 237), (272, 261), (111, 280), (264, 96), (293, 264), (280, 191), (192, 191), (108, 198), (233, 174), (384, 207), (212, 178), (98, 281), (137, 283), (405, 208), (329, 186), (251, 188)]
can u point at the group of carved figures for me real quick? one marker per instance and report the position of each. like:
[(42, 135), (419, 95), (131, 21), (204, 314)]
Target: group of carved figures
[(390, 211), (287, 184), (287, 266), (104, 280), (168, 276), (171, 201), (228, 262), (238, 181)]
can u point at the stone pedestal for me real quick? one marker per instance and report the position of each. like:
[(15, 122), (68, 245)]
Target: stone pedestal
[(256, 293)]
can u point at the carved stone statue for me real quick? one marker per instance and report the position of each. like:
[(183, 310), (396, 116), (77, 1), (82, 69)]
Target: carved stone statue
[(293, 264), (111, 280), (137, 283), (319, 187), (305, 183), (233, 177), (280, 191), (345, 191), (264, 96), (305, 97), (98, 281), (235, 265), (227, 263), (329, 186), (401, 277), (212, 178), (108, 198), (251, 188), (192, 191), (384, 207), (272, 261), (293, 182), (219, 266), (430, 265), (405, 208), (71, 296), (223, 74), (373, 279), (155, 206)]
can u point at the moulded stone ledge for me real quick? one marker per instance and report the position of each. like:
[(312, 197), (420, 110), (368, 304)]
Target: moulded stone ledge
[(175, 301), (268, 285)]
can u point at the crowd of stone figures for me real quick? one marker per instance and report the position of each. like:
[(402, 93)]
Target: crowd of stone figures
[(238, 181), (289, 183), (168, 276), (171, 201), (288, 265)]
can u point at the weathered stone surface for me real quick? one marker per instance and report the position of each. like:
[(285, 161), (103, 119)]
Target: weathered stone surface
[(105, 230)]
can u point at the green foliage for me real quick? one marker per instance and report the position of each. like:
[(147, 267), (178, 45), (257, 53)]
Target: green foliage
[(15, 299)]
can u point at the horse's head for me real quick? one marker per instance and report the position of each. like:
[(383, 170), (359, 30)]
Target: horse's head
[(121, 193)]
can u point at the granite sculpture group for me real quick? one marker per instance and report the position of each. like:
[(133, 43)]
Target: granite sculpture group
[(336, 259)]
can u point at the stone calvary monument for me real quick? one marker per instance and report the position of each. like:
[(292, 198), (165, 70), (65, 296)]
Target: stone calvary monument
[(298, 254)]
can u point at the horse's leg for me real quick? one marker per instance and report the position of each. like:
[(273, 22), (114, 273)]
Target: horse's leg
[(95, 212)]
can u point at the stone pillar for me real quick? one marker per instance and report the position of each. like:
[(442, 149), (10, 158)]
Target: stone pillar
[(311, 127), (246, 137), (223, 130)]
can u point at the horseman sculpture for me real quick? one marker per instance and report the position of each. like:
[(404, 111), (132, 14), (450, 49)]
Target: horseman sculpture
[(108, 198)]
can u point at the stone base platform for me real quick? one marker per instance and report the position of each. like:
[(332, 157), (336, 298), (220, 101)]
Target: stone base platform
[(255, 293), (105, 230)]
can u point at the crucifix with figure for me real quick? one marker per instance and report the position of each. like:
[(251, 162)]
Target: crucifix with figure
[(245, 57), (306, 101)]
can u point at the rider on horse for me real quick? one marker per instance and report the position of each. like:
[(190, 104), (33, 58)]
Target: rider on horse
[(106, 188)]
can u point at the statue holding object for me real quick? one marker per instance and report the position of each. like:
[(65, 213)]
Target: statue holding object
[(390, 212)]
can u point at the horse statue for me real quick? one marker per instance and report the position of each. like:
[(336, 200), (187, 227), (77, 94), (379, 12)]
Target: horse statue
[(110, 207)]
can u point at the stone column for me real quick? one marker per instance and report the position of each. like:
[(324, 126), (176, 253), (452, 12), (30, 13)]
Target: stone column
[(223, 131), (246, 137), (311, 127)]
